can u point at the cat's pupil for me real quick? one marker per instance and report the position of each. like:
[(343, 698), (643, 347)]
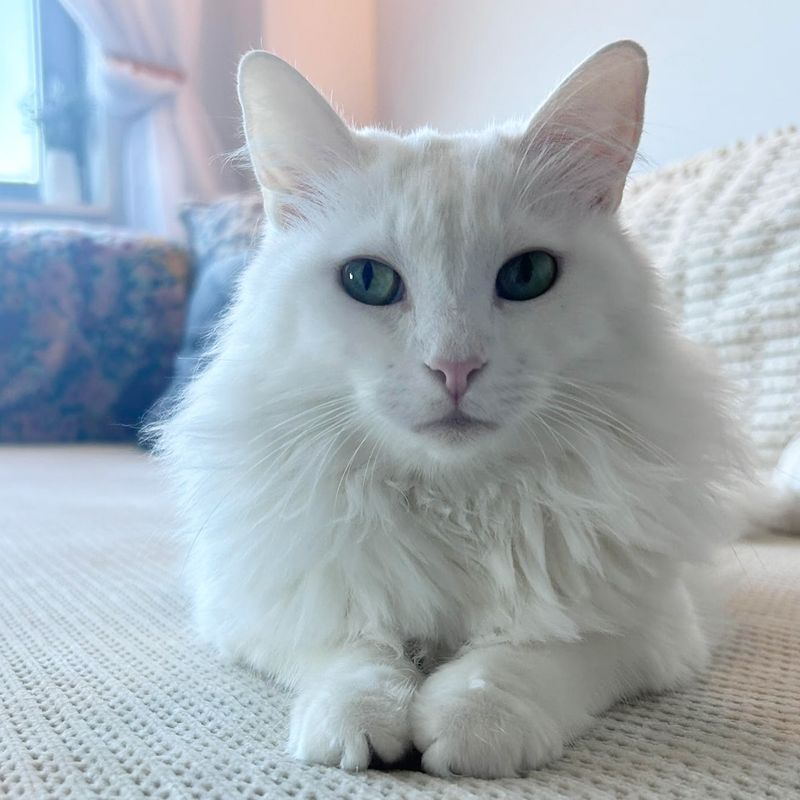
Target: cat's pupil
[(524, 270), (367, 274)]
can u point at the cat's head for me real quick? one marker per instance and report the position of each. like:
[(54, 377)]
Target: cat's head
[(446, 287)]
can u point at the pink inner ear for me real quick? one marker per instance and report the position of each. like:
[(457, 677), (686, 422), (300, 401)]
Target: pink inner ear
[(584, 139), (590, 165)]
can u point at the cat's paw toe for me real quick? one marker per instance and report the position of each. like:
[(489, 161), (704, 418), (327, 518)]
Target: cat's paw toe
[(473, 727), (342, 723)]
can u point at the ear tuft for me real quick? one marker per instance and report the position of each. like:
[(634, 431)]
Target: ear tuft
[(293, 135), (589, 128)]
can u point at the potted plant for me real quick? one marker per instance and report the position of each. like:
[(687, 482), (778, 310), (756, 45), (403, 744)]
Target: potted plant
[(62, 116)]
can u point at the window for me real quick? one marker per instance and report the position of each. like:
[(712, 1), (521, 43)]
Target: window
[(20, 153), (48, 124)]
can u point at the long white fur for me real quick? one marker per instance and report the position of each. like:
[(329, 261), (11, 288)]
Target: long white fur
[(480, 598)]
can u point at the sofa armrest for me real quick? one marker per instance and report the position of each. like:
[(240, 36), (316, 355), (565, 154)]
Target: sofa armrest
[(90, 320)]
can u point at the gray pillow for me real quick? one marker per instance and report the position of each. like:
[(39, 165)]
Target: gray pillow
[(210, 297), (222, 229), (222, 238)]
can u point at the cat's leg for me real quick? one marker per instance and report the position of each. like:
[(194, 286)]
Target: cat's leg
[(503, 709), (352, 702)]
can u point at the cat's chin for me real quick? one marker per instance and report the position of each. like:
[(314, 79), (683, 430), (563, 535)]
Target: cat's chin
[(456, 427), (454, 438)]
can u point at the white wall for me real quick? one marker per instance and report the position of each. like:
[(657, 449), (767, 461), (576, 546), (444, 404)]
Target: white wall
[(720, 71), (332, 42), (224, 36)]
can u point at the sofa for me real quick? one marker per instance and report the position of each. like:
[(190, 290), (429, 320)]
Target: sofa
[(90, 319), (106, 692)]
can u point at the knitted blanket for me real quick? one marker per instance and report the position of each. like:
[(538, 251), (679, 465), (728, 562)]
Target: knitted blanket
[(724, 228), (106, 693)]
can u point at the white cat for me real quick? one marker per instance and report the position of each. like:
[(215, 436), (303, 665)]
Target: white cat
[(451, 462)]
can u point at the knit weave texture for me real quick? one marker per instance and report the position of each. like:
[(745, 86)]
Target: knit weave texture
[(105, 691), (724, 228)]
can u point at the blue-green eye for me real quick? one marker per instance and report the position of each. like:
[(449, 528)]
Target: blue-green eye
[(526, 276), (371, 282)]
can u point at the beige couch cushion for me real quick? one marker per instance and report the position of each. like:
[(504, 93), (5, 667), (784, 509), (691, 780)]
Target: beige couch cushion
[(725, 230), (105, 691)]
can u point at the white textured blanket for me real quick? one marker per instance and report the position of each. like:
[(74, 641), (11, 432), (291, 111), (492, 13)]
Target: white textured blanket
[(104, 691), (724, 229)]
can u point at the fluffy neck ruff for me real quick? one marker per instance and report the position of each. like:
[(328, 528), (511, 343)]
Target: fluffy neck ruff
[(321, 538)]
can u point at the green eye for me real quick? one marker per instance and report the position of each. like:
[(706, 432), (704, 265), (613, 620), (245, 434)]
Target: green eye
[(526, 276), (371, 282)]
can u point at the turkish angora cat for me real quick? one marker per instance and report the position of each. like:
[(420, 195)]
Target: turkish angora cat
[(448, 467)]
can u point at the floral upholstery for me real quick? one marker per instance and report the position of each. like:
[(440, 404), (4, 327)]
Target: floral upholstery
[(90, 321)]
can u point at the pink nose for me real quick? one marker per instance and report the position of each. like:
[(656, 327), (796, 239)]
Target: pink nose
[(456, 374)]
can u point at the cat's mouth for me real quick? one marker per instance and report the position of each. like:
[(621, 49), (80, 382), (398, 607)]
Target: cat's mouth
[(456, 425)]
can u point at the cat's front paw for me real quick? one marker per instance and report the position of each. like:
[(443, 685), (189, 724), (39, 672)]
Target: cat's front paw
[(466, 725), (342, 719)]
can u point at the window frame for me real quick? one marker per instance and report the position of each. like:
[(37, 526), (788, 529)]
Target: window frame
[(21, 200)]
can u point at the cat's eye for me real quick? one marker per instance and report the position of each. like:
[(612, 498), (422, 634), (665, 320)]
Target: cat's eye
[(526, 275), (371, 282)]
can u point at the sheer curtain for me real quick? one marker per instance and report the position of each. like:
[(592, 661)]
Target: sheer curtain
[(165, 146)]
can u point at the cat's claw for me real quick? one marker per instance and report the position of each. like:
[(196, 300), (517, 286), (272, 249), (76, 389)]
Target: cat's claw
[(343, 721), (477, 729)]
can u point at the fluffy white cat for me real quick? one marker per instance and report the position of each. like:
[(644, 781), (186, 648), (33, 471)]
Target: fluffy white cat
[(451, 462)]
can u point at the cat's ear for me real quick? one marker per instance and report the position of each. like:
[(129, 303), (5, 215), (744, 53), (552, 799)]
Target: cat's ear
[(588, 131), (293, 135)]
